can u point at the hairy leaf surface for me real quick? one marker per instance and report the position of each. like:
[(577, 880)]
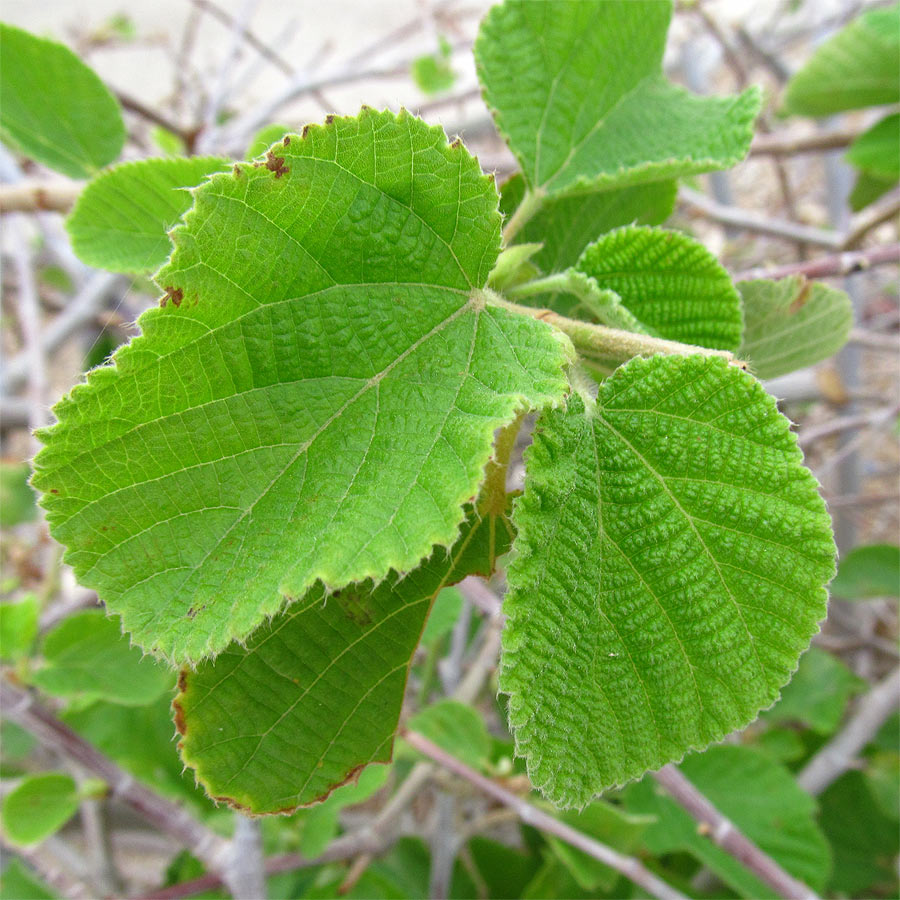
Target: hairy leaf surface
[(54, 108), (857, 67), (316, 694), (792, 323), (315, 401), (672, 283), (672, 557), (122, 218), (577, 89)]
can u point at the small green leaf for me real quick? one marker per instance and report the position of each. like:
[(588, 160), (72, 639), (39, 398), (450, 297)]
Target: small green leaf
[(672, 557), (456, 728), (855, 68), (877, 151), (763, 801), (265, 138), (38, 807), (882, 774), (672, 283), (332, 668), (443, 615), (792, 323), (867, 189), (432, 72), (817, 694), (168, 142), (577, 90), (319, 403), (87, 656), (867, 572), (17, 500), (18, 627), (122, 218), (18, 883), (54, 108)]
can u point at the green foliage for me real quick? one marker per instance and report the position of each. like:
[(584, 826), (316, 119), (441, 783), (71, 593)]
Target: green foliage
[(17, 883), (264, 138), (791, 324), (855, 68), (455, 727), (671, 555), (878, 150), (869, 571), (122, 218), (17, 500), (88, 657), (444, 612), (762, 800), (38, 807), (55, 109), (433, 72), (18, 627), (281, 455), (577, 89)]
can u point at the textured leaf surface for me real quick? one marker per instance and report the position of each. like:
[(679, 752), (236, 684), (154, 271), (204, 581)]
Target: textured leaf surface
[(122, 218), (857, 67), (566, 225), (315, 401), (672, 283), (763, 801), (877, 150), (316, 694), (38, 807), (672, 557), (577, 90), (54, 108), (792, 323), (87, 656)]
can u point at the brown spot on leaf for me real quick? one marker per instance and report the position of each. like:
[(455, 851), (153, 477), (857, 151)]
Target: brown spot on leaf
[(305, 131), (287, 140), (802, 296), (176, 295), (329, 118), (54, 491), (276, 164), (455, 144), (182, 681), (237, 171), (180, 725)]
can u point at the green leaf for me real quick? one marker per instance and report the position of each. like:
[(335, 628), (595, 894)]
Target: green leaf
[(17, 500), (18, 627), (877, 150), (817, 694), (566, 225), (456, 728), (55, 109), (855, 68), (672, 557), (38, 807), (577, 90), (317, 406), (672, 283), (867, 572), (87, 656), (432, 72), (265, 137), (330, 667), (867, 189), (792, 323), (882, 775), (18, 883), (763, 801), (444, 613), (122, 218)]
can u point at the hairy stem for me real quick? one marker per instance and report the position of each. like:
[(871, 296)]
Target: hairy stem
[(526, 210)]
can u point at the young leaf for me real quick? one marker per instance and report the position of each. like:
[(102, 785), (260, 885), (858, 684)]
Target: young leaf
[(38, 807), (792, 323), (856, 68), (54, 108), (566, 225), (672, 283), (577, 89), (672, 557), (315, 401), (18, 627), (877, 151), (17, 500), (316, 694), (763, 801), (122, 218), (87, 656), (455, 727), (867, 189), (867, 572)]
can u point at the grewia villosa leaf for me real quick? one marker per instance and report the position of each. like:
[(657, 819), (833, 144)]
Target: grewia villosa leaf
[(54, 108), (315, 695), (672, 557), (792, 323), (856, 68), (670, 282), (122, 218), (316, 398), (577, 89)]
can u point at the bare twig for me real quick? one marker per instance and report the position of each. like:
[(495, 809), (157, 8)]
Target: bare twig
[(885, 210), (629, 866), (725, 834), (879, 416), (888, 343), (31, 195), (840, 753), (246, 874), (840, 501), (795, 144), (830, 266), (60, 870), (151, 115)]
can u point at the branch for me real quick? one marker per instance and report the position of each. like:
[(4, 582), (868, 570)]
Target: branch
[(58, 869), (877, 214), (724, 834), (833, 266), (21, 707), (246, 876), (840, 753), (31, 195), (188, 136), (629, 866), (879, 416), (795, 144)]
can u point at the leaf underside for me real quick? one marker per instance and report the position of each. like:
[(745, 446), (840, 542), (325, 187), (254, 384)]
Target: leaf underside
[(315, 401), (316, 694), (671, 556)]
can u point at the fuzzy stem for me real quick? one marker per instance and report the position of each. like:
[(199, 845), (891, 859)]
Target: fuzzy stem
[(526, 210)]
